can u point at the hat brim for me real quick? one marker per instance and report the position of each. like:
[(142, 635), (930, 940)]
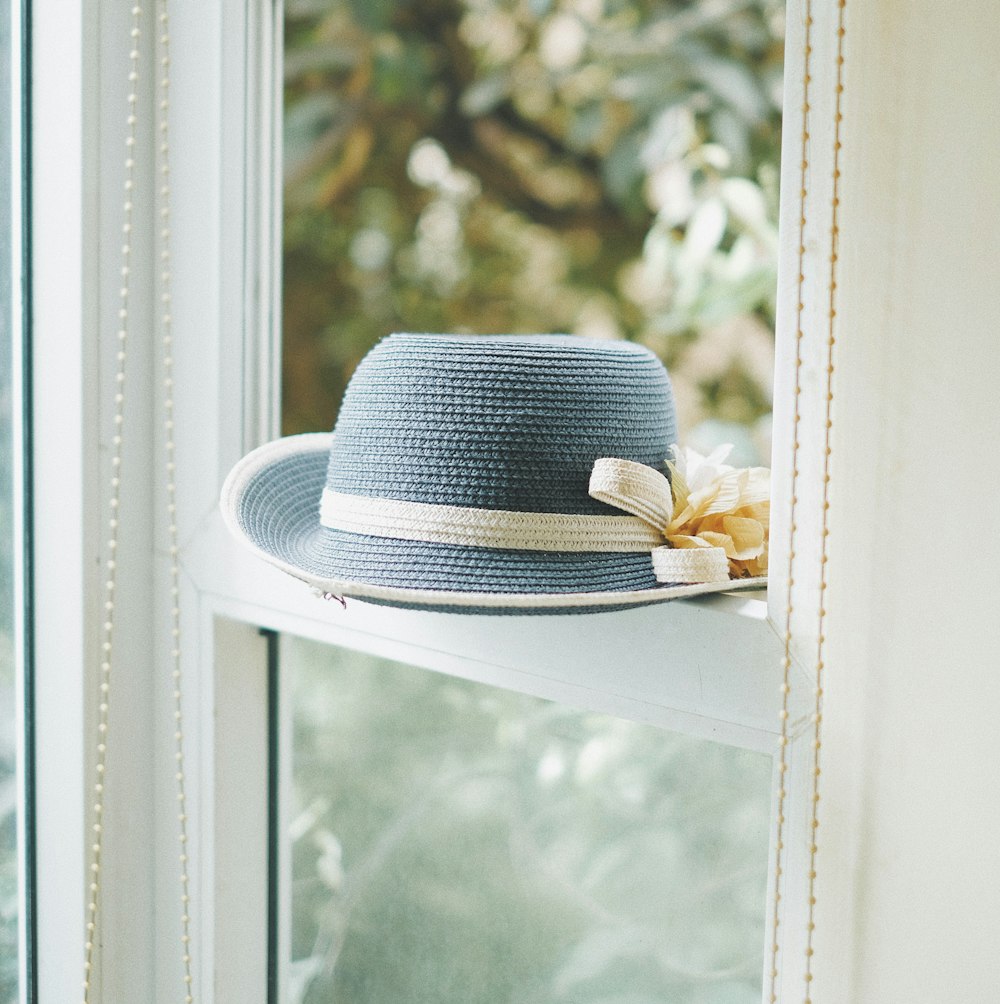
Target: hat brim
[(270, 502)]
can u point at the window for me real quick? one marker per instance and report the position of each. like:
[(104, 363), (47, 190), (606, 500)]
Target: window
[(489, 167), (708, 670), (453, 841)]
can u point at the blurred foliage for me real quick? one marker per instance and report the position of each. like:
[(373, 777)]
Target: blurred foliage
[(602, 167), (458, 844)]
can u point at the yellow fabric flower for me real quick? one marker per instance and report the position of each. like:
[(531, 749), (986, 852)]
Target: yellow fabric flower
[(716, 505)]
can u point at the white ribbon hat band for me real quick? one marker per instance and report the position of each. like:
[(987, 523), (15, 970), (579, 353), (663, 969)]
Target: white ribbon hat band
[(635, 488)]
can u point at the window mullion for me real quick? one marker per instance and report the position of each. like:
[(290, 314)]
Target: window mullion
[(225, 269), (61, 278), (78, 154)]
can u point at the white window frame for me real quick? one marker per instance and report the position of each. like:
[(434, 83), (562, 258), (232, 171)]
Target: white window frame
[(708, 667)]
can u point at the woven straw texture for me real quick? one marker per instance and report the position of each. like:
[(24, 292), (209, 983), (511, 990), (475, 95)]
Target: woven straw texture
[(499, 423), (278, 512), (507, 422)]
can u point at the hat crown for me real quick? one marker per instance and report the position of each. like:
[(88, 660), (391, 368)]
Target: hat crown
[(498, 422)]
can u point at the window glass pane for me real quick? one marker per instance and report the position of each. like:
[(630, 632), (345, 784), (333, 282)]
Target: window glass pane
[(600, 168), (457, 843), (9, 330)]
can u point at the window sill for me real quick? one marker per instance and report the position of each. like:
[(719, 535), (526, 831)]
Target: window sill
[(709, 666)]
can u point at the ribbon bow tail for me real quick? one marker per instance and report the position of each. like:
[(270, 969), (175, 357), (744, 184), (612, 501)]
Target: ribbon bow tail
[(690, 564), (644, 492)]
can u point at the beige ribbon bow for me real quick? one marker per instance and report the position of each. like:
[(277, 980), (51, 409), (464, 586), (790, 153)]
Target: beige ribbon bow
[(645, 492)]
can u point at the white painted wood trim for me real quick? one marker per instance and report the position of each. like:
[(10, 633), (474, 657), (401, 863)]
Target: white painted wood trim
[(809, 401), (909, 887), (249, 274), (235, 772), (62, 245), (284, 743)]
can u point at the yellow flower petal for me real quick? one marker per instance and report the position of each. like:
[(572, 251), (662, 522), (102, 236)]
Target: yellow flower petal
[(760, 511), (747, 536), (687, 516), (757, 486), (700, 502), (683, 540), (707, 524), (758, 566), (726, 494), (678, 488), (718, 506), (753, 567), (722, 540)]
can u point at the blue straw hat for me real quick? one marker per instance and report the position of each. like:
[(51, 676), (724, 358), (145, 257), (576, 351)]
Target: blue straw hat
[(460, 476)]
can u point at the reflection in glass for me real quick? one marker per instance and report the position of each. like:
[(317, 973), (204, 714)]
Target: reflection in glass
[(9, 330), (456, 843)]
